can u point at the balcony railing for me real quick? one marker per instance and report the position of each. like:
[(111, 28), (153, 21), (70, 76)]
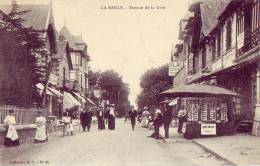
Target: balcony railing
[(250, 44)]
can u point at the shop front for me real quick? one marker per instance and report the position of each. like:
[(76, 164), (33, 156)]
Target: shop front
[(210, 110), (208, 116)]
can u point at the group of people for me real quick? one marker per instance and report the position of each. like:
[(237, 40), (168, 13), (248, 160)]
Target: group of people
[(104, 116), (162, 116), (12, 139)]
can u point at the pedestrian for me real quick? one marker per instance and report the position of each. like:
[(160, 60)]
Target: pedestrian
[(107, 109), (41, 134), (157, 123), (89, 118), (111, 118), (68, 126), (132, 116), (83, 120), (11, 138), (100, 118), (167, 118), (145, 117), (182, 116)]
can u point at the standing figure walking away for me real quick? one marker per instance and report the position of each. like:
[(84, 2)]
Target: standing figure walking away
[(145, 116), (89, 118), (182, 116), (11, 138), (100, 118), (157, 123), (41, 134), (132, 116), (167, 118), (111, 118), (68, 126), (83, 119)]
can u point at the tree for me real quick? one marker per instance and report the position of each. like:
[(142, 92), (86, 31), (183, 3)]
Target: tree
[(113, 87), (18, 49), (153, 82)]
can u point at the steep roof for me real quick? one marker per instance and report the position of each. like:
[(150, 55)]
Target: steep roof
[(68, 36), (210, 11), (62, 50), (37, 17), (79, 40)]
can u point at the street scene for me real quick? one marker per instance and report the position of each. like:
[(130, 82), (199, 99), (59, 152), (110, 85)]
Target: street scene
[(130, 83)]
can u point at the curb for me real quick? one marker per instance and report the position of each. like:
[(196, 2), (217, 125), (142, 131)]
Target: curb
[(229, 163)]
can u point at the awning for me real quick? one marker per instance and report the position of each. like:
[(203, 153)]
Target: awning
[(56, 92), (80, 97), (40, 88), (90, 101), (199, 90), (173, 102), (69, 101)]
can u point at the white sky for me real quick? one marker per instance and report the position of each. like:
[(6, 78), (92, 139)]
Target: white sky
[(128, 41)]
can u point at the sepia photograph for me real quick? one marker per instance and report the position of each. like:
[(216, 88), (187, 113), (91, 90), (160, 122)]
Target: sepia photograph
[(129, 82)]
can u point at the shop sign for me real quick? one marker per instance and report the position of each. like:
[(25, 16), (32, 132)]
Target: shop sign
[(175, 67), (208, 129), (183, 130)]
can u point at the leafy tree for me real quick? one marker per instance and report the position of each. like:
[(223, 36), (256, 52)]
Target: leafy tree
[(153, 82), (113, 87), (19, 72)]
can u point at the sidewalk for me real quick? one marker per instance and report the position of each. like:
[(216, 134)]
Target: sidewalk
[(239, 149)]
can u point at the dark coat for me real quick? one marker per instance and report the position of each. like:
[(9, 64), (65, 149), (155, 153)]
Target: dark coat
[(89, 116), (132, 115), (83, 118), (167, 116)]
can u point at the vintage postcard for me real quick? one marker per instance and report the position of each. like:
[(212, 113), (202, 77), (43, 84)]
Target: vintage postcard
[(130, 82)]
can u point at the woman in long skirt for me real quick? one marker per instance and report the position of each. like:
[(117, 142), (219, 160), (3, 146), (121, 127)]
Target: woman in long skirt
[(100, 118), (111, 118), (41, 135), (145, 117), (11, 138)]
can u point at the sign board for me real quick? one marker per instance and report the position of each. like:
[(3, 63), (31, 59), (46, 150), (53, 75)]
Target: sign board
[(208, 129), (175, 67)]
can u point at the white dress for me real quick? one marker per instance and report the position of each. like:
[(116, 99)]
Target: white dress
[(11, 133), (41, 129), (145, 116)]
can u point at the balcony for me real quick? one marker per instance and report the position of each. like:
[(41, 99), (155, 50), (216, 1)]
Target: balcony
[(252, 42)]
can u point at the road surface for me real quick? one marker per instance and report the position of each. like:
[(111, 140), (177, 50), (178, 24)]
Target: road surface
[(121, 147)]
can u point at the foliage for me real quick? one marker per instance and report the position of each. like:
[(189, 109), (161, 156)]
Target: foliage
[(153, 82), (113, 87), (19, 72)]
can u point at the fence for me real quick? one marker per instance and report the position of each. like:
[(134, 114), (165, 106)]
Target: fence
[(22, 115)]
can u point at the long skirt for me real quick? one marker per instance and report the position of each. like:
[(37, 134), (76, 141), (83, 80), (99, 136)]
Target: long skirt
[(101, 123), (111, 123), (40, 135), (11, 138), (10, 143)]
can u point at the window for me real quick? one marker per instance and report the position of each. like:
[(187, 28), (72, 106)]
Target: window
[(203, 65), (218, 43), (256, 16), (213, 47), (228, 34)]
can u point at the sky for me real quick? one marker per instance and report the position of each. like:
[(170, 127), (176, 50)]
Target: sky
[(129, 41)]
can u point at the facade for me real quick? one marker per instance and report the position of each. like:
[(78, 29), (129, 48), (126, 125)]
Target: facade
[(222, 38)]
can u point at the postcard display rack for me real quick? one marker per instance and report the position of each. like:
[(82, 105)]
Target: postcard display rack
[(207, 116)]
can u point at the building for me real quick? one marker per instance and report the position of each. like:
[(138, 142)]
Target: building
[(80, 63), (223, 41)]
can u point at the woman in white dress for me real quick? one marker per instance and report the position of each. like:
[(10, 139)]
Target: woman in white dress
[(11, 138), (40, 135), (145, 116), (68, 126)]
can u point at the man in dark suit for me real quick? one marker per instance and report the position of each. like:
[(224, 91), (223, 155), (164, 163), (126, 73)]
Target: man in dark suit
[(83, 120), (88, 118), (132, 116), (167, 118)]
